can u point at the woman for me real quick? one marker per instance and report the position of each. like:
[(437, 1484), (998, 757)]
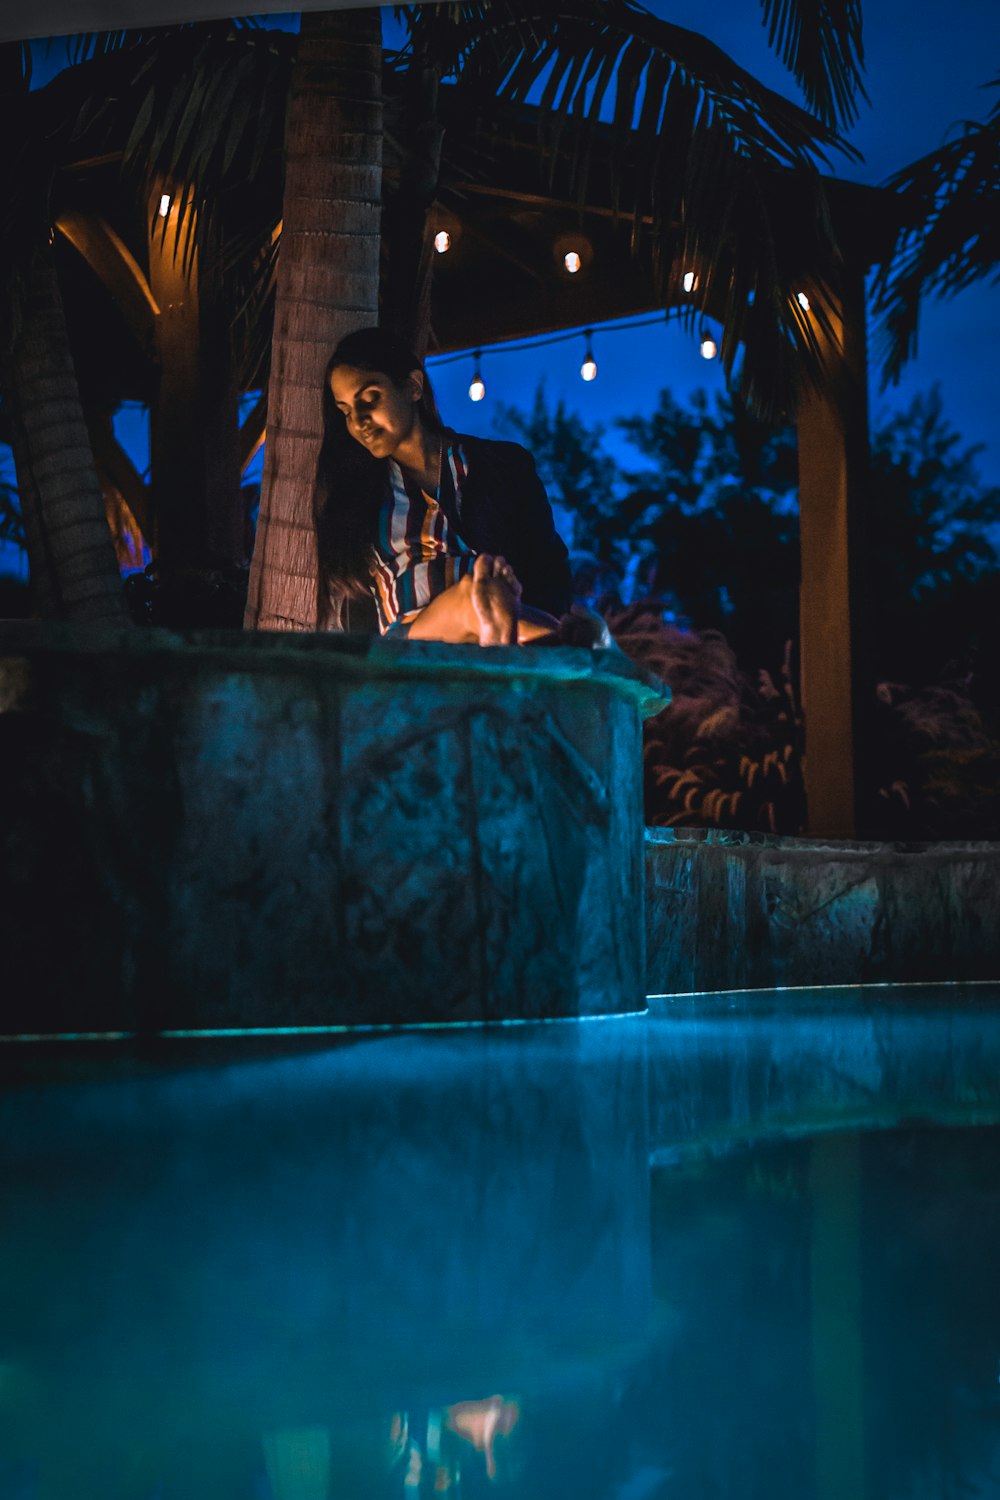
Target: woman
[(451, 535)]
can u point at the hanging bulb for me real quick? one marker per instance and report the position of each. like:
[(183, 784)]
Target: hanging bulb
[(802, 300), (442, 241), (709, 348), (572, 262), (588, 370), (164, 208), (690, 281), (477, 390)]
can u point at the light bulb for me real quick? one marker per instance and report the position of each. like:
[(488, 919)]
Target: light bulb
[(803, 301), (709, 348), (164, 205), (589, 368), (572, 262), (442, 241), (477, 389), (690, 281)]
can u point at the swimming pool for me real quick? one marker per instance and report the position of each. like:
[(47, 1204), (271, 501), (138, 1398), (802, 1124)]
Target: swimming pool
[(743, 1246)]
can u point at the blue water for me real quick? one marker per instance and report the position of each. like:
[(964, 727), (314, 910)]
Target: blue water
[(746, 1246)]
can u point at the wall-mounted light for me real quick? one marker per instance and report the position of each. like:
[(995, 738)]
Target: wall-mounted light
[(588, 370), (164, 207), (477, 389), (442, 241)]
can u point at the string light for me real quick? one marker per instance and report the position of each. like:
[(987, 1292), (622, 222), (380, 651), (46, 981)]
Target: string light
[(709, 348), (164, 208), (588, 370), (803, 301), (572, 261), (442, 241), (520, 345), (690, 281)]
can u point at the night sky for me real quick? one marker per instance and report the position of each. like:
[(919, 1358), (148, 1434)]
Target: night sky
[(926, 69)]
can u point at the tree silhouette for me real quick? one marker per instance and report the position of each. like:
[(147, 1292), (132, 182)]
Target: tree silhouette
[(710, 525)]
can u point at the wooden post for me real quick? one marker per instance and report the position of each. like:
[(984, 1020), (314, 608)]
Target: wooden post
[(194, 421), (833, 467)]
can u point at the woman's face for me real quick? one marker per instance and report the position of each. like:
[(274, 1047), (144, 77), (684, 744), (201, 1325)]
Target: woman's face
[(379, 414)]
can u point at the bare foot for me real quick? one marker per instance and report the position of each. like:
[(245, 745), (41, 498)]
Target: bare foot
[(494, 600), (502, 569)]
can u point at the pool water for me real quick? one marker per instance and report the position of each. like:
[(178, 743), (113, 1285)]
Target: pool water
[(746, 1246)]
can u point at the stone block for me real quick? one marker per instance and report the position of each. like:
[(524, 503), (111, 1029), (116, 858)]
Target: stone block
[(225, 830), (728, 911)]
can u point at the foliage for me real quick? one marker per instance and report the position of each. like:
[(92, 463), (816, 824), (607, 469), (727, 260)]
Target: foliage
[(579, 476), (949, 235), (932, 545), (728, 750), (936, 764), (717, 517), (709, 525), (712, 517)]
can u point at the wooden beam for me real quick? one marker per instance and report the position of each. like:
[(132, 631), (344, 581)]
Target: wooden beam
[(111, 260), (833, 471)]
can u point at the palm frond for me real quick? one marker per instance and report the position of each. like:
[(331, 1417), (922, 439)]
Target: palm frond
[(576, 55), (949, 212), (822, 45)]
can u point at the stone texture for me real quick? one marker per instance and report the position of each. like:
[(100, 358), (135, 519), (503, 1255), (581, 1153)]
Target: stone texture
[(229, 830), (727, 911)]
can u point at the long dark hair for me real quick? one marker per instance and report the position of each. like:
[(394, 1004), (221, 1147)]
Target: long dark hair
[(350, 482)]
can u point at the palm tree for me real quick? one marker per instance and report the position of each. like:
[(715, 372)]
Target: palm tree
[(73, 566), (949, 237), (327, 284)]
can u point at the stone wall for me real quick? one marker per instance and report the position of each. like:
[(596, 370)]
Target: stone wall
[(728, 910), (229, 830)]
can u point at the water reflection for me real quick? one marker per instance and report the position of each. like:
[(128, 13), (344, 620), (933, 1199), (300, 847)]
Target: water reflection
[(465, 1266), (444, 1451)]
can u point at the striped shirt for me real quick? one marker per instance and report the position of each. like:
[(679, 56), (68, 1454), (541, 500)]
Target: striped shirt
[(418, 552)]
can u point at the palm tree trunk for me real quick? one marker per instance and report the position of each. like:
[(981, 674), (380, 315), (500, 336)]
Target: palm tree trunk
[(328, 275), (65, 523)]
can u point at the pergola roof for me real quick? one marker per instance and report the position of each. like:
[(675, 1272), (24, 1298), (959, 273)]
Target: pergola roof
[(504, 278)]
